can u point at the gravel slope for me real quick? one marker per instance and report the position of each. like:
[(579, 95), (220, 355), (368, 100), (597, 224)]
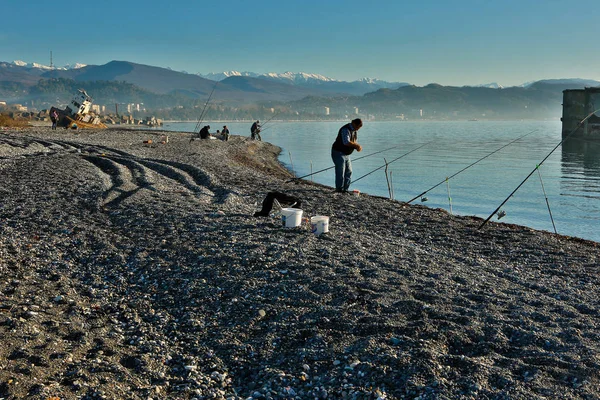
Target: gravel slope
[(133, 270)]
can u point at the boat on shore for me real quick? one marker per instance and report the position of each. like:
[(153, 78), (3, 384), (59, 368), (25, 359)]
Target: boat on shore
[(78, 113)]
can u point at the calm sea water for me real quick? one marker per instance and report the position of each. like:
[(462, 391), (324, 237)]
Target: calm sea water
[(570, 176)]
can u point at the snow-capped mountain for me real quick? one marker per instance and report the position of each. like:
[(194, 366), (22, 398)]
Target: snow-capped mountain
[(20, 63), (219, 76), (315, 81), (296, 77), (492, 85), (289, 77)]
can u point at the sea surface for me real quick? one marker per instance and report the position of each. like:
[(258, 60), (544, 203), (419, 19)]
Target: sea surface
[(496, 158)]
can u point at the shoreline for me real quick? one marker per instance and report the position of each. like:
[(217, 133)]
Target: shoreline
[(138, 268)]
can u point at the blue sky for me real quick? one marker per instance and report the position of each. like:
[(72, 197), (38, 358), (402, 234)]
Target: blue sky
[(447, 42)]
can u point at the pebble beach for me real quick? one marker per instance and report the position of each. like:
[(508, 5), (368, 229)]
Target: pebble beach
[(132, 267)]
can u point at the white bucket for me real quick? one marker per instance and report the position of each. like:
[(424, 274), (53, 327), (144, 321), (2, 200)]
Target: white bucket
[(356, 192), (291, 217), (319, 224)]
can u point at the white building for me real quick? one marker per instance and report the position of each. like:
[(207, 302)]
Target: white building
[(326, 110)]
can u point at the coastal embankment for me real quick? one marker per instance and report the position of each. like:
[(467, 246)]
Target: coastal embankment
[(132, 266)]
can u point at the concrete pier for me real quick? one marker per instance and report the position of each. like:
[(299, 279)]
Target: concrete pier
[(577, 105)]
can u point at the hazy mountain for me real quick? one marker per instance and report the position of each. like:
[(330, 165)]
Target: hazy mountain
[(244, 88), (319, 82), (167, 81), (155, 79), (492, 85), (541, 100), (16, 76), (330, 85), (565, 81), (306, 94)]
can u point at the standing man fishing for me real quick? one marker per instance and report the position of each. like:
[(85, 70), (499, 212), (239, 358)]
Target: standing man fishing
[(345, 143), (255, 131)]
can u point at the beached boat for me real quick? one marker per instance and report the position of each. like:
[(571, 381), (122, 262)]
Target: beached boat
[(78, 113)]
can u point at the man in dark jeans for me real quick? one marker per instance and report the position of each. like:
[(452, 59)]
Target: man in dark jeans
[(282, 198), (345, 143), (255, 131)]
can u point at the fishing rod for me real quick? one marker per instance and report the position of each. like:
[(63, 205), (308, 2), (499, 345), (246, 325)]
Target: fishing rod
[(267, 121), (328, 168), (546, 197), (262, 127), (397, 158), (200, 119), (469, 166), (535, 169)]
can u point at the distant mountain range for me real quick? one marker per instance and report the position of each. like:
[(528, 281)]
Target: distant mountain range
[(318, 84), (315, 81), (302, 94), (47, 67)]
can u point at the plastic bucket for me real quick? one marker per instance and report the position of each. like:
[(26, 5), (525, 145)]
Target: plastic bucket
[(356, 192), (319, 224), (291, 217)]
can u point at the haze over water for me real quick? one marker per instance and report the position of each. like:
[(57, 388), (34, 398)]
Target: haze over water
[(570, 175)]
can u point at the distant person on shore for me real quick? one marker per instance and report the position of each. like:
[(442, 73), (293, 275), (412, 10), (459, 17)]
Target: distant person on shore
[(255, 131), (54, 119), (225, 133), (345, 143), (204, 132)]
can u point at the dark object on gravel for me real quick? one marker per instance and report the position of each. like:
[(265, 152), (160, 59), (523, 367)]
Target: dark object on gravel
[(282, 198)]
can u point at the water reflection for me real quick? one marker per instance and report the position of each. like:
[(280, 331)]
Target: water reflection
[(581, 168), (586, 153)]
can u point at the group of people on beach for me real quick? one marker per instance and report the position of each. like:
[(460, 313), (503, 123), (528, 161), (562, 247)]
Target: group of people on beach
[(344, 145), (255, 130), (223, 134)]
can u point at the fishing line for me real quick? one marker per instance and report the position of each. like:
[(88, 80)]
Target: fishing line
[(449, 197), (204, 109), (397, 158), (532, 172), (469, 166), (356, 159)]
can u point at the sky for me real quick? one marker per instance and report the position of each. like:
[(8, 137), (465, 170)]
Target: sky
[(449, 42)]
